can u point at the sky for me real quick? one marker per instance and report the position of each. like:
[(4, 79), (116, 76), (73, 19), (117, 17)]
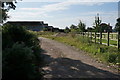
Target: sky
[(65, 12)]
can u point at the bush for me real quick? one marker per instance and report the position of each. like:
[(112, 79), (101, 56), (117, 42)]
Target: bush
[(18, 63), (21, 53), (12, 34), (111, 57)]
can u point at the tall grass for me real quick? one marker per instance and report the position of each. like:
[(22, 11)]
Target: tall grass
[(104, 53)]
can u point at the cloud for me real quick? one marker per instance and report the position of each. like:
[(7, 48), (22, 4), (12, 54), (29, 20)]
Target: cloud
[(60, 6), (27, 15), (44, 10)]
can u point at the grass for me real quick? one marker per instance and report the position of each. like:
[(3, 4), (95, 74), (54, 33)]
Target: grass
[(42, 33), (45, 34), (112, 42)]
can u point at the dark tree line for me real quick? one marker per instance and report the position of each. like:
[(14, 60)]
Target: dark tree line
[(79, 28)]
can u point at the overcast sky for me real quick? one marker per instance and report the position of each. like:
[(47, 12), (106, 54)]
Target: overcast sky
[(65, 12)]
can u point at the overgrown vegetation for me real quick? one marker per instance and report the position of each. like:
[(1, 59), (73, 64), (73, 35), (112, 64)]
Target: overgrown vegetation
[(21, 54)]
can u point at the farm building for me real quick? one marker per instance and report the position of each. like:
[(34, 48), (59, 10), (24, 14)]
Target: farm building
[(31, 25), (106, 27)]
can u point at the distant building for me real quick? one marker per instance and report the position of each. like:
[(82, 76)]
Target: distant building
[(106, 27), (31, 25), (48, 28)]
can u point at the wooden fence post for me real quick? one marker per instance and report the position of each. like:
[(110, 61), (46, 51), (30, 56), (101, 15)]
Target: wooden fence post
[(100, 37), (108, 38), (88, 34), (83, 34), (118, 40), (117, 36), (112, 36), (91, 36), (95, 37)]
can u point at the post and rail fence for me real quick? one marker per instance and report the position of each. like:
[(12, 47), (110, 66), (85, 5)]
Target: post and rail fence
[(108, 38)]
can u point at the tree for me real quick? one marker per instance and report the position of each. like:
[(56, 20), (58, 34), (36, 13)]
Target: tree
[(73, 26), (97, 23), (67, 30), (117, 26), (81, 26), (89, 29), (5, 7)]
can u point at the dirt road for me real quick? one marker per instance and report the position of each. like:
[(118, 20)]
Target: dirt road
[(64, 61)]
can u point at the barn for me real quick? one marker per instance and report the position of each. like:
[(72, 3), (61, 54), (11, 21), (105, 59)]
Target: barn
[(30, 25)]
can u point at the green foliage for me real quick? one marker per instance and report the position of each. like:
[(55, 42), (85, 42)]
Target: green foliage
[(105, 53), (12, 34), (89, 29), (21, 52), (4, 15), (84, 39), (6, 6), (97, 23), (81, 26), (117, 26), (75, 31), (73, 27), (45, 33), (67, 30), (111, 57), (18, 63)]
